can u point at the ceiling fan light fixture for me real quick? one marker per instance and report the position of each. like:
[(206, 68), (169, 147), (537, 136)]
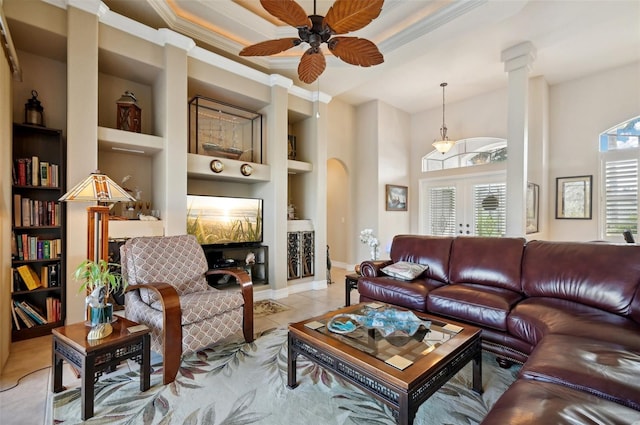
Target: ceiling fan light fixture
[(443, 145), (343, 17)]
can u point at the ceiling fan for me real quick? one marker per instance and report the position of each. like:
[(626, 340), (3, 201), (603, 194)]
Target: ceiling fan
[(343, 17)]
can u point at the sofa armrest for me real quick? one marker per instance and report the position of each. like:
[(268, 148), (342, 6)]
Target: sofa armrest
[(246, 286), (372, 268), (171, 326)]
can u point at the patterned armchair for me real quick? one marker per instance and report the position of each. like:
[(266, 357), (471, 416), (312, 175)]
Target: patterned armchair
[(168, 292)]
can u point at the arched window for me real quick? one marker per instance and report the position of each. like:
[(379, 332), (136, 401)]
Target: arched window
[(467, 153), (619, 155)]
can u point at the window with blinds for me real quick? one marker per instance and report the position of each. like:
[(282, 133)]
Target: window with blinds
[(620, 196), (490, 212), (442, 210)]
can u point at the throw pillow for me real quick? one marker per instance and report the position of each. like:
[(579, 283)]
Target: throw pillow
[(404, 270)]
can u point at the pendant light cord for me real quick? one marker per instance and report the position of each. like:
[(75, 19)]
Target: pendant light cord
[(443, 130)]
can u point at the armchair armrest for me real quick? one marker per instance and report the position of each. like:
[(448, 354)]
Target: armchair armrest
[(371, 268), (246, 286), (171, 327)]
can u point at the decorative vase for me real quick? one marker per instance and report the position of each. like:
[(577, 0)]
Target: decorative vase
[(100, 320)]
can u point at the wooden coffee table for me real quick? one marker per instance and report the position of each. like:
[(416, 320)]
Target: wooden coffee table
[(423, 363), (93, 358)]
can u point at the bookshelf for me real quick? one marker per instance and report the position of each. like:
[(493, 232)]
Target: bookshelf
[(38, 231)]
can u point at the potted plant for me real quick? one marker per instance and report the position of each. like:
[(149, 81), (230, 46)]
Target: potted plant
[(100, 279)]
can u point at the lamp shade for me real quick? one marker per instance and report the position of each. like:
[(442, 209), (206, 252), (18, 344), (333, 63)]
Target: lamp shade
[(97, 187), (444, 146)]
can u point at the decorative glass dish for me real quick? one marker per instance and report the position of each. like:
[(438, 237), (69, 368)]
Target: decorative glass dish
[(388, 322)]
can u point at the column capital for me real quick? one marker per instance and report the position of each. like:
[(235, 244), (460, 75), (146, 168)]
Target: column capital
[(519, 56)]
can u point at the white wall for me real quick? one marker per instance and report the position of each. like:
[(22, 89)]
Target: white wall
[(394, 159), (579, 111), (341, 174), (480, 116)]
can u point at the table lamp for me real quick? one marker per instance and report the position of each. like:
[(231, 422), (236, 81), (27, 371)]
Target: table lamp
[(99, 188)]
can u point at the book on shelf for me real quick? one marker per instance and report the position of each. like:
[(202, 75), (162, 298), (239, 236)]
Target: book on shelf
[(53, 309), (17, 210), (24, 317), (16, 322), (31, 312), (44, 173), (29, 277), (35, 171)]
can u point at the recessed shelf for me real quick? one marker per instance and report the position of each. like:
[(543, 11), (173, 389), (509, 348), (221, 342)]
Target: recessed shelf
[(199, 167), (129, 142), (295, 167)]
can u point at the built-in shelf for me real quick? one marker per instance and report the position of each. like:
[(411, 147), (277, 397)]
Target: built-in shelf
[(129, 142), (295, 167), (199, 167)]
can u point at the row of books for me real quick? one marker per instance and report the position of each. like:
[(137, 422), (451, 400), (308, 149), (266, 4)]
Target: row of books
[(26, 314), (30, 247), (24, 277), (33, 172), (34, 212)]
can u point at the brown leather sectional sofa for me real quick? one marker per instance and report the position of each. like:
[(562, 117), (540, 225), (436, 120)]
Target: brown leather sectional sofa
[(570, 311)]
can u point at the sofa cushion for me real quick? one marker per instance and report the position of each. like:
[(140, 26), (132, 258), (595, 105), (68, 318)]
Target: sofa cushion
[(411, 295), (587, 273), (533, 318), (601, 368), (404, 270), (487, 261), (485, 305), (529, 402), (432, 251)]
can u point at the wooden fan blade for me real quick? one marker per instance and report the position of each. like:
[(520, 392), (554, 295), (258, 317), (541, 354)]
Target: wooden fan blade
[(270, 47), (312, 64), (287, 11), (356, 51), (351, 15)]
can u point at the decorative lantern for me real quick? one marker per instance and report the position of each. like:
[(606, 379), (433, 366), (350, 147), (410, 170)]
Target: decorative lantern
[(129, 113), (33, 110)]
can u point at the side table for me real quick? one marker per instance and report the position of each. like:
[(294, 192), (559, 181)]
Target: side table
[(350, 282), (93, 358)]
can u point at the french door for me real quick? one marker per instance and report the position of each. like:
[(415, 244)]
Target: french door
[(464, 206)]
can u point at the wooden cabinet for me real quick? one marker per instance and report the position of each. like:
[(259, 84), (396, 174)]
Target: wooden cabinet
[(235, 256), (300, 249), (38, 231)]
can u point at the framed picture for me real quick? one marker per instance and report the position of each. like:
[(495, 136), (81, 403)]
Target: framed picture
[(573, 197), (533, 207), (396, 198)]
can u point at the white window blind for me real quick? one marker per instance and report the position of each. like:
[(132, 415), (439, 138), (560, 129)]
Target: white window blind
[(442, 209), (621, 196), (490, 213)]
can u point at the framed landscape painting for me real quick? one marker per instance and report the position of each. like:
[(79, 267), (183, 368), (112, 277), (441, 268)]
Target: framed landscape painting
[(396, 198), (573, 197)]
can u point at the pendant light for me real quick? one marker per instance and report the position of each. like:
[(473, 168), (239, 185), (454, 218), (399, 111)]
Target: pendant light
[(444, 144)]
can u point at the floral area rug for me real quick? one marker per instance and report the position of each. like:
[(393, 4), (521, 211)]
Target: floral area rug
[(241, 383), (267, 307)]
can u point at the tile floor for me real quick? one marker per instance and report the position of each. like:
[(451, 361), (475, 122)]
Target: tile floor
[(25, 380)]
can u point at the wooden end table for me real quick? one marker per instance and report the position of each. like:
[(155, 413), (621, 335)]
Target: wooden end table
[(350, 282), (93, 358)]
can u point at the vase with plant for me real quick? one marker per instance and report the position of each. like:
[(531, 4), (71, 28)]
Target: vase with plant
[(367, 237), (100, 279)]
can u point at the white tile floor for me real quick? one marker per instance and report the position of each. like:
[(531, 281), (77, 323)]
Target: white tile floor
[(25, 380)]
